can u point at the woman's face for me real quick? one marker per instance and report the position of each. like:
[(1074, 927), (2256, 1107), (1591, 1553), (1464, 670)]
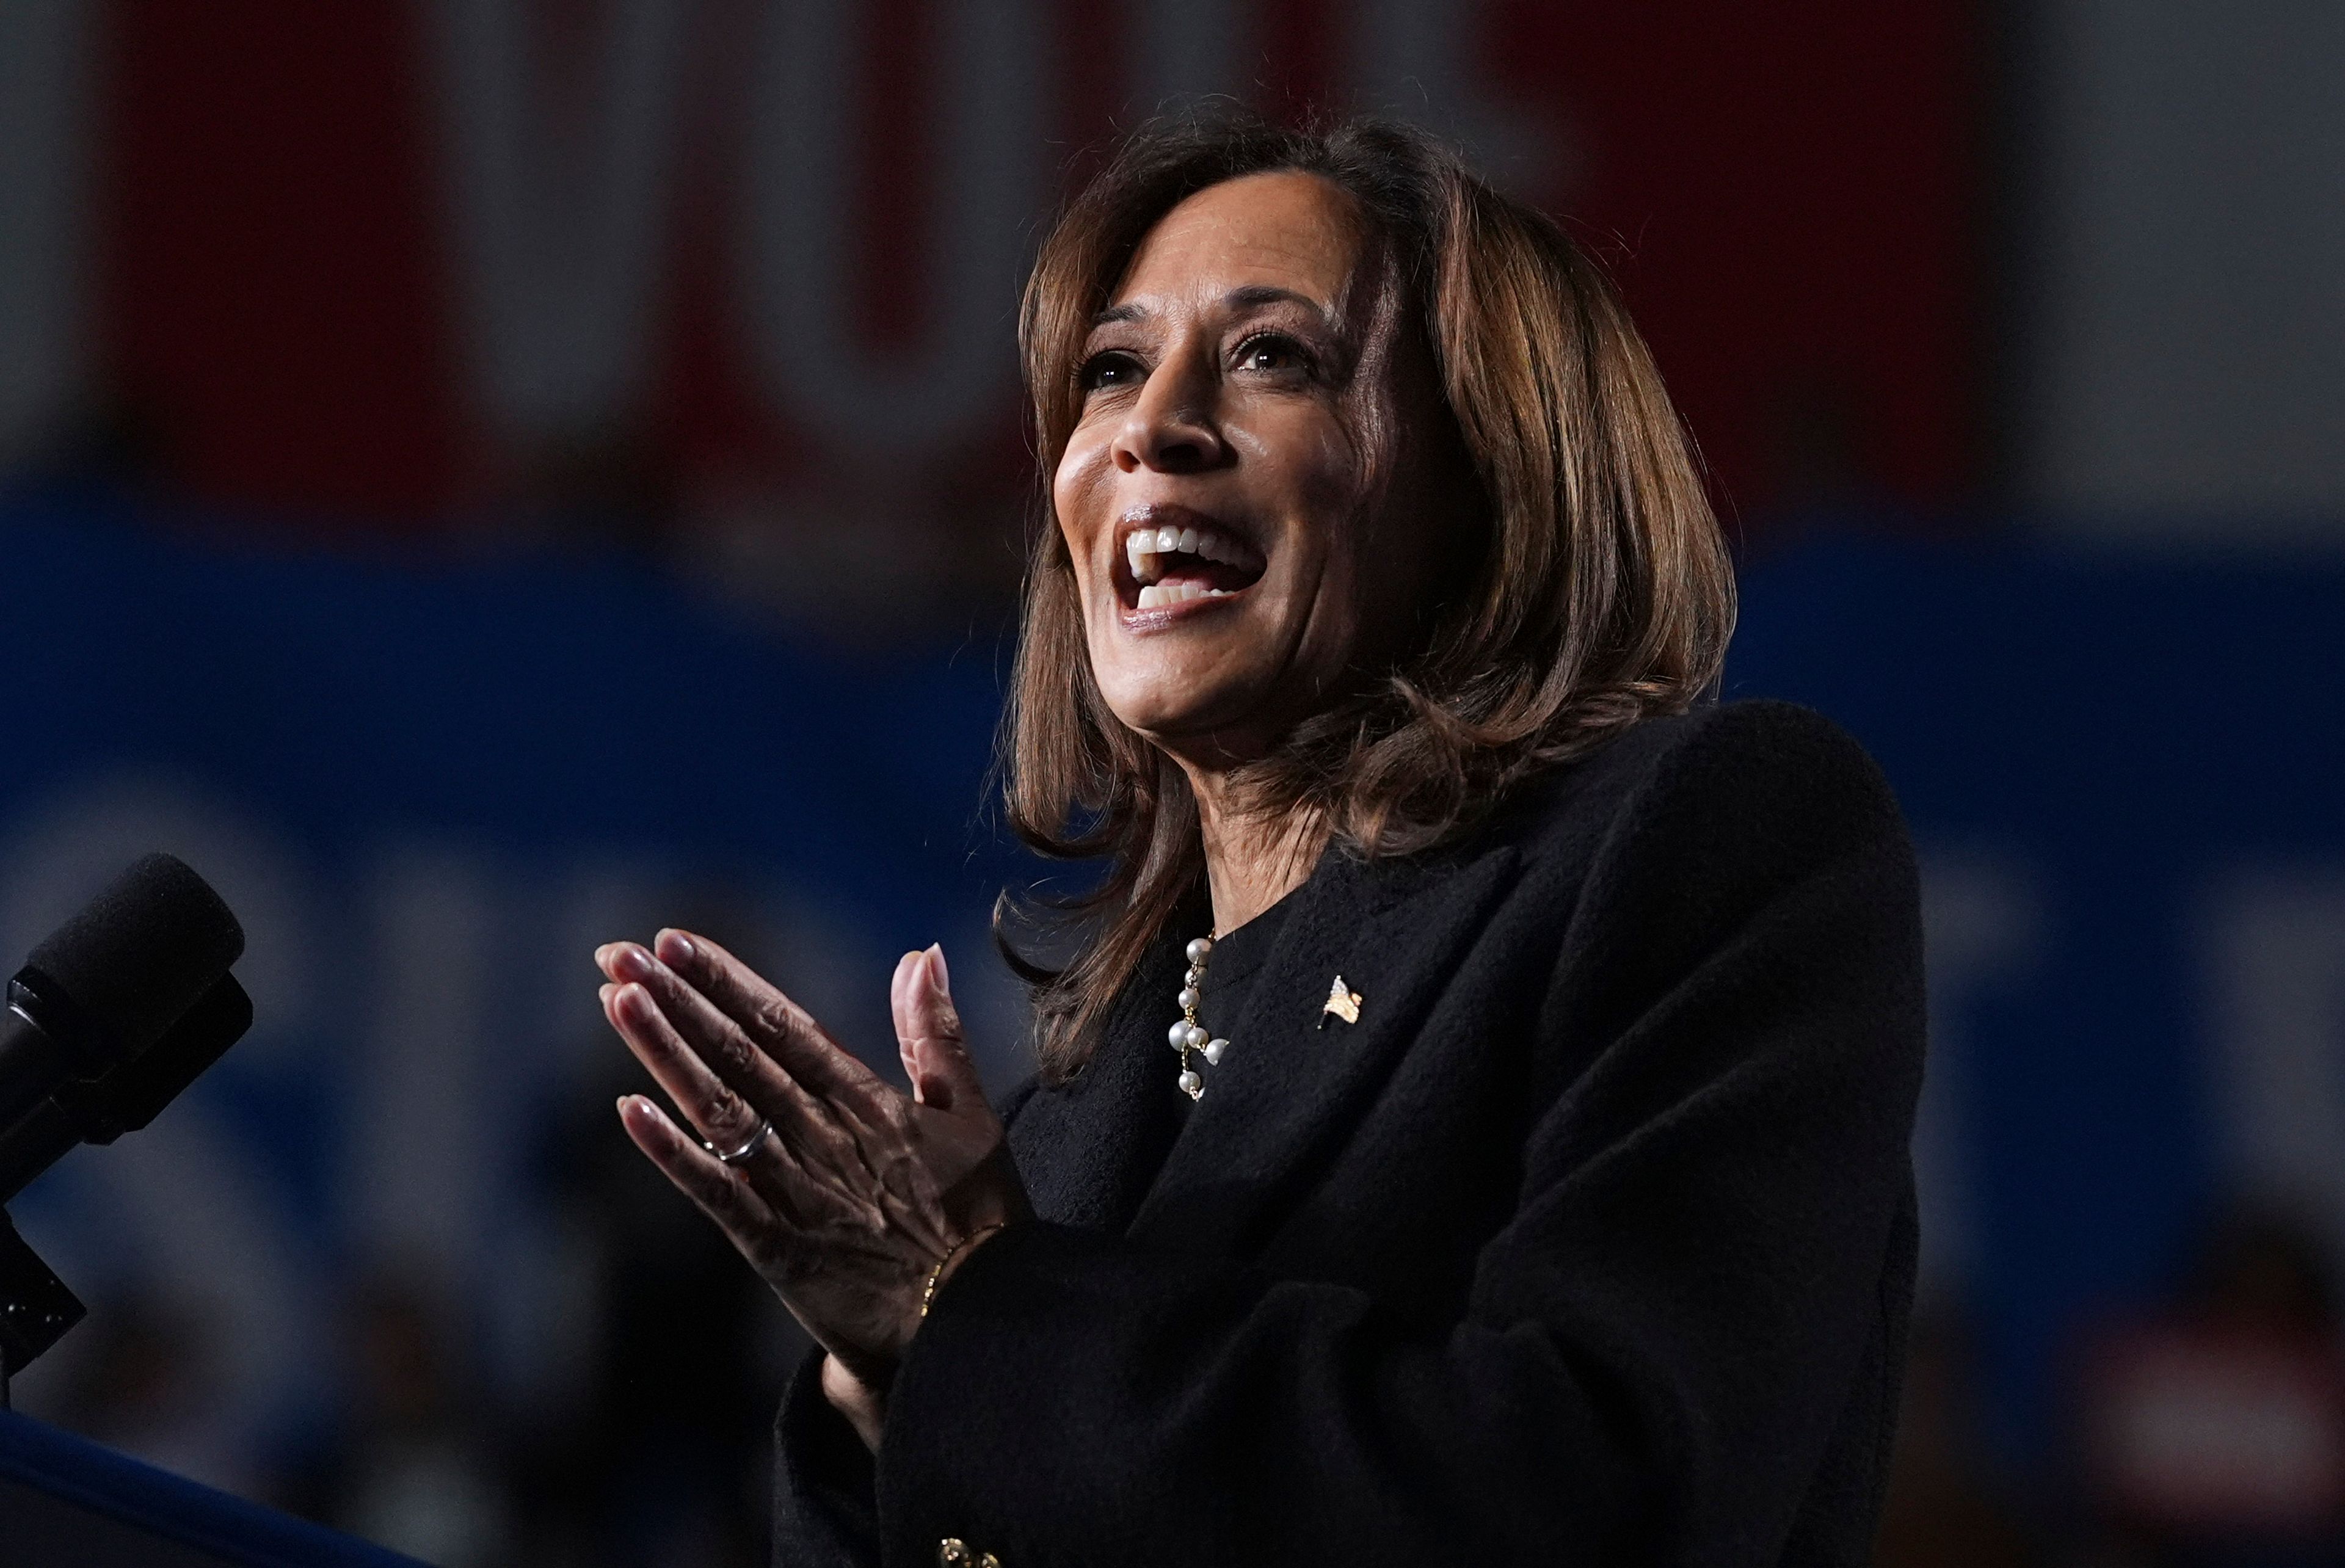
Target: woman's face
[(1252, 495)]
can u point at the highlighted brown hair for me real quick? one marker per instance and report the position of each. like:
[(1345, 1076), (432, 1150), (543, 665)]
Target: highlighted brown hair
[(1595, 591)]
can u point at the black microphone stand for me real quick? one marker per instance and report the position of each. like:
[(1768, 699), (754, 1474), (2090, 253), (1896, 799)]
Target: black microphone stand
[(36, 1308), (156, 947)]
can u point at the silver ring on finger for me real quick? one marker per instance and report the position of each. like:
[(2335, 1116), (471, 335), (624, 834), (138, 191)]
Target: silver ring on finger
[(749, 1145)]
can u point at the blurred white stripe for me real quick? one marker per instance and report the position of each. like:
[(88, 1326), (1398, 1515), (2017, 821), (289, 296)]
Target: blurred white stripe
[(561, 227), (45, 143), (2186, 377), (2274, 942)]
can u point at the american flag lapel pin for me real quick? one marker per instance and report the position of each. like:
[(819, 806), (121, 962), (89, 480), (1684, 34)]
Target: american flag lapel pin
[(1343, 1002)]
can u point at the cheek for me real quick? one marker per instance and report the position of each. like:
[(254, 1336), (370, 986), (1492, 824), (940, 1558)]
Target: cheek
[(1370, 517), (1336, 531), (1079, 495)]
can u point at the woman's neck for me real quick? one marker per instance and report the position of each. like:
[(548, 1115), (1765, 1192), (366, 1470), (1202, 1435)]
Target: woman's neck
[(1252, 861)]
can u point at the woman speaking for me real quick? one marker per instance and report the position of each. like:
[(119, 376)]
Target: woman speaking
[(1472, 1120)]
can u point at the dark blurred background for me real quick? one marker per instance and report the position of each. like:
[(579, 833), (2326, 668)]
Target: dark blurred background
[(481, 477)]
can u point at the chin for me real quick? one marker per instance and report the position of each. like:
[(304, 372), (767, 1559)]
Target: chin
[(1170, 710), (1171, 702)]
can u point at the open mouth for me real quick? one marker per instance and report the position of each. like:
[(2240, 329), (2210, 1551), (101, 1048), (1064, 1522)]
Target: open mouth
[(1171, 560)]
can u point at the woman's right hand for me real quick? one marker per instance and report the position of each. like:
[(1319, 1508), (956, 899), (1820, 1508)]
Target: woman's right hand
[(850, 1197)]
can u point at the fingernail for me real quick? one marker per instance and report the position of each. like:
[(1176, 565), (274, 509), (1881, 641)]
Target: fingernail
[(940, 975), (674, 945), (632, 963)]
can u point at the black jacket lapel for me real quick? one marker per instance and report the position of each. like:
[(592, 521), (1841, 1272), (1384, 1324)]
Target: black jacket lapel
[(1088, 1148), (1394, 931)]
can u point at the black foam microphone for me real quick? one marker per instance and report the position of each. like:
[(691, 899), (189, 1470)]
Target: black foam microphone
[(109, 1019), (102, 1110), (109, 984)]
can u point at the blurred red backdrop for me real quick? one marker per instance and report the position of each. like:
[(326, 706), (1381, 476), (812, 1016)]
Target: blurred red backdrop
[(1786, 191)]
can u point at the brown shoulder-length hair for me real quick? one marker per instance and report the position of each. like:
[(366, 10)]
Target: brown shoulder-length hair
[(1595, 589)]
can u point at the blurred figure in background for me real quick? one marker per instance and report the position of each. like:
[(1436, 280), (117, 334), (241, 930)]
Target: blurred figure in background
[(412, 1470), (665, 1460), (144, 1380), (2213, 1434), (1946, 1507)]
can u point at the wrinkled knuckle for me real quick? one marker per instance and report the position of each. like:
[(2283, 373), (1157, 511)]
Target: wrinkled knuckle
[(737, 1051), (730, 1123), (774, 1015)]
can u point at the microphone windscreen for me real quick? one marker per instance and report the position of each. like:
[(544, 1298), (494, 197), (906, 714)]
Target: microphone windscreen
[(140, 954)]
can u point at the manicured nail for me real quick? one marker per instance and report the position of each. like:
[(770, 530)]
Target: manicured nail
[(675, 946), (938, 975), (631, 963)]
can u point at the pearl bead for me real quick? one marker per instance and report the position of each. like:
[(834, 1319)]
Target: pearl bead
[(1192, 1083), (1188, 998), (1196, 1036), (1214, 1050), (1198, 947), (1180, 1034), (1192, 977)]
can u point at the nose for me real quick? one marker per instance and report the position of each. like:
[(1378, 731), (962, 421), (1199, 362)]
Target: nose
[(1172, 428)]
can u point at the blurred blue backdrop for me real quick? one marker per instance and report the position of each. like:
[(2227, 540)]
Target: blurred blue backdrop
[(431, 790)]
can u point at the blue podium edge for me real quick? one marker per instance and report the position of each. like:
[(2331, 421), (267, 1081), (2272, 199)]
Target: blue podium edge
[(114, 1484)]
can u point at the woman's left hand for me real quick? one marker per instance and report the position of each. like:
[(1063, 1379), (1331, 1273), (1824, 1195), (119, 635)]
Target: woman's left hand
[(860, 1191)]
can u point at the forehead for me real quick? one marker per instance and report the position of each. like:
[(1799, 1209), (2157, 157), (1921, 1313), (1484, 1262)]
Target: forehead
[(1284, 230)]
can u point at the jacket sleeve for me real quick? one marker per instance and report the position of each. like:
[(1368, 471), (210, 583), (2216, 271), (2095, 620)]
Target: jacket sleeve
[(825, 1512), (1660, 1341)]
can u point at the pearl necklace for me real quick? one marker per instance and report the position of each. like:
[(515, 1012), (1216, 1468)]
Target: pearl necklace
[(1188, 1035)]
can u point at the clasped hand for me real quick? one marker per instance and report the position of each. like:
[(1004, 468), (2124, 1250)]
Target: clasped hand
[(861, 1191)]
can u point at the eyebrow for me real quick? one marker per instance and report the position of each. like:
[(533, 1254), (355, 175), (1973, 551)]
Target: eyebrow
[(1252, 297)]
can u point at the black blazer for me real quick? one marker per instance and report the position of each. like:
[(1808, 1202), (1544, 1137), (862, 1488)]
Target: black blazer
[(1590, 1242)]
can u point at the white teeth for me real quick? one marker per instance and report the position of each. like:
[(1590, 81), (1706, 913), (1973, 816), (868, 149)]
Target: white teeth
[(1157, 596), (1144, 547)]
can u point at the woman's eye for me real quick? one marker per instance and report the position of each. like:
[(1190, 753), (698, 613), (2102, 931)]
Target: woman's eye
[(1269, 353), (1113, 368)]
